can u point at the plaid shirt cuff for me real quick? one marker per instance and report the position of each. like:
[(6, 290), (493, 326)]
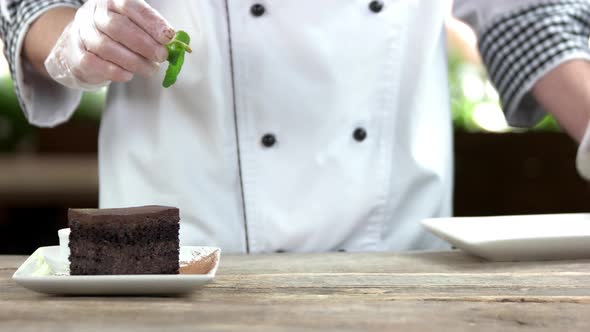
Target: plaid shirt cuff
[(15, 20), (520, 47)]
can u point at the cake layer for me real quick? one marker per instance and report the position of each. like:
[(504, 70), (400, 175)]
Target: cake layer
[(113, 265), (127, 233), (97, 250)]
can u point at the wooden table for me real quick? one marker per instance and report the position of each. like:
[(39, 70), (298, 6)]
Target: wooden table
[(330, 292)]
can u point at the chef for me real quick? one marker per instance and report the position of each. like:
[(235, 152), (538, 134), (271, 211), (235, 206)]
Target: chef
[(295, 125)]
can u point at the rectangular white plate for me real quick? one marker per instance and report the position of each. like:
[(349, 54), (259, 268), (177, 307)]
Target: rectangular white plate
[(46, 271), (518, 238)]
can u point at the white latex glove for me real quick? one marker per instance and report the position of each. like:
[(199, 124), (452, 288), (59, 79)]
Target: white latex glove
[(583, 156), (109, 41)]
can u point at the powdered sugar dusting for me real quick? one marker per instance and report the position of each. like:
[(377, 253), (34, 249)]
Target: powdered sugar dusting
[(200, 261)]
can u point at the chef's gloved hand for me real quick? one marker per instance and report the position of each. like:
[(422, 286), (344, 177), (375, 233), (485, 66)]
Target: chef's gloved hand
[(109, 41)]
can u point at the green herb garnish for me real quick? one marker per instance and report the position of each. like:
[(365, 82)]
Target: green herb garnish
[(176, 50)]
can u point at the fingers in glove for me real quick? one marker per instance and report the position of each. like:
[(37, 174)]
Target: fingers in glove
[(94, 70), (107, 49), (145, 17), (124, 31)]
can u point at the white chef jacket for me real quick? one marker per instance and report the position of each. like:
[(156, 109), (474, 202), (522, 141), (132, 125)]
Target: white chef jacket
[(310, 126)]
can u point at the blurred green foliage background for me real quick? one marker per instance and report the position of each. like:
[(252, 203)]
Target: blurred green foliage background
[(16, 135), (475, 103)]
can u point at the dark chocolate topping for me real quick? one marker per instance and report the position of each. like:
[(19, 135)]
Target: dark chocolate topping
[(123, 214)]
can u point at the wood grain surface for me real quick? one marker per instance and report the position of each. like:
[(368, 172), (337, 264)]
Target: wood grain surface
[(445, 291)]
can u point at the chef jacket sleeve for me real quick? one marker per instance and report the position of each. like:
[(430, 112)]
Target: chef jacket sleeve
[(522, 40), (44, 102)]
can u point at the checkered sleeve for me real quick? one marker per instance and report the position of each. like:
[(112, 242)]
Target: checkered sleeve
[(44, 102), (521, 46)]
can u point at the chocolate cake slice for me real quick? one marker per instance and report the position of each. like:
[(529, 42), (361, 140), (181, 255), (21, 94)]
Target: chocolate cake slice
[(139, 240)]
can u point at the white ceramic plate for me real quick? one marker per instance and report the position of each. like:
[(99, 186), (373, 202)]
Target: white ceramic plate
[(46, 271), (518, 238)]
